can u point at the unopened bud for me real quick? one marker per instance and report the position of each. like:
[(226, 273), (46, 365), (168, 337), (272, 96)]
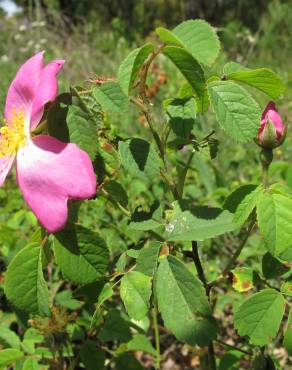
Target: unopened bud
[(272, 131)]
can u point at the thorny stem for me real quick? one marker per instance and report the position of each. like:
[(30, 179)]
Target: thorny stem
[(183, 176), (157, 337), (144, 105), (198, 264), (202, 277), (145, 101)]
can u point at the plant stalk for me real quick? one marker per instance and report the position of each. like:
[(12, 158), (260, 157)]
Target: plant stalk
[(266, 157), (157, 337), (202, 277)]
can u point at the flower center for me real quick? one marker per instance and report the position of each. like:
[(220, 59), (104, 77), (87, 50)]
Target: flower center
[(12, 135)]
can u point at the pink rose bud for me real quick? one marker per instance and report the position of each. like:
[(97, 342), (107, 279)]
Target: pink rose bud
[(272, 131)]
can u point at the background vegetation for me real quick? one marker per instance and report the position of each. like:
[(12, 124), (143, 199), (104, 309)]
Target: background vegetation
[(94, 37)]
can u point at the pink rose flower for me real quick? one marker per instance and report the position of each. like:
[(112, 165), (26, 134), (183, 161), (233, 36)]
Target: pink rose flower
[(49, 172), (272, 131)]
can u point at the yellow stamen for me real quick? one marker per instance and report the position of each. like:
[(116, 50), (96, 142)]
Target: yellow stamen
[(12, 136)]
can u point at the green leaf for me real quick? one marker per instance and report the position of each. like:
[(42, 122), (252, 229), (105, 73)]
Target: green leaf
[(115, 328), (31, 364), (200, 39), (129, 69), (117, 192), (259, 316), (82, 128), (272, 267), (183, 303), (188, 66), (231, 67), (122, 263), (151, 220), (242, 202), (148, 258), (234, 199), (263, 79), (136, 293), (91, 356), (8, 338), (139, 158), (274, 213), (89, 293), (242, 279), (230, 360), (288, 334), (31, 337), (71, 120), (199, 223), (127, 361), (202, 102), (9, 356), (236, 111), (168, 36), (81, 254), (106, 293), (25, 286), (182, 114), (111, 97), (141, 343), (64, 298)]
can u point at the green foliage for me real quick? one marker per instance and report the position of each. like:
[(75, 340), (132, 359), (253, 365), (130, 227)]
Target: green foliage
[(288, 334), (272, 267), (200, 39), (25, 286), (135, 293), (188, 66), (236, 111), (9, 356), (198, 223), (125, 274), (148, 259), (141, 343), (111, 97), (260, 315), (274, 213), (81, 254), (129, 69), (71, 119), (196, 36), (8, 339), (182, 114), (262, 79), (242, 202), (139, 158), (92, 357), (183, 304)]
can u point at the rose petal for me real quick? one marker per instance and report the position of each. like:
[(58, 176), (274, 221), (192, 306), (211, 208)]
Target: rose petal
[(21, 92), (49, 173), (46, 90), (271, 112), (5, 166)]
